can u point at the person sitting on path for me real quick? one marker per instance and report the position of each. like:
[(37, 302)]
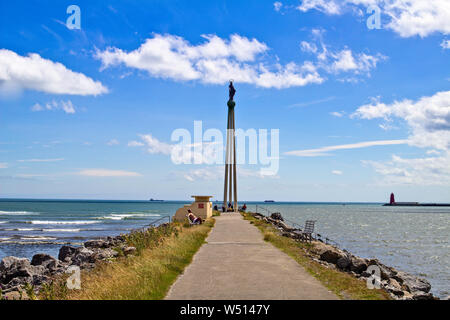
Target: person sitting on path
[(193, 219)]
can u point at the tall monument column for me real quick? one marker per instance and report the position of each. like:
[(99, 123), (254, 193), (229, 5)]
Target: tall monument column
[(230, 188)]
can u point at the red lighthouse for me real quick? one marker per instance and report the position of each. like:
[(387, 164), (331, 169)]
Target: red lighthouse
[(392, 201)]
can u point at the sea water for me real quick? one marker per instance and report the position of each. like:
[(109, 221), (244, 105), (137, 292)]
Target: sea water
[(28, 227)]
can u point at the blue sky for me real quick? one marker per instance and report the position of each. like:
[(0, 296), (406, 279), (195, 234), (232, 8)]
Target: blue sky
[(361, 112)]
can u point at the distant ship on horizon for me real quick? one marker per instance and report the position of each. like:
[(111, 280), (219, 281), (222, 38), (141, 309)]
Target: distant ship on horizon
[(393, 203), (269, 201), (155, 200)]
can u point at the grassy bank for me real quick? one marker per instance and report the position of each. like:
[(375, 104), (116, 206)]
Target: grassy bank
[(342, 284), (148, 275)]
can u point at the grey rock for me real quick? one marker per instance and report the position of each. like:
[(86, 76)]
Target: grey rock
[(41, 259), (19, 281), (83, 258), (66, 253), (103, 254), (16, 295), (343, 262), (407, 295), (129, 250), (284, 226), (419, 295), (412, 283), (10, 288), (365, 274), (395, 288), (277, 216), (49, 263), (394, 296), (96, 244), (332, 255), (385, 272), (18, 271), (38, 280), (358, 265)]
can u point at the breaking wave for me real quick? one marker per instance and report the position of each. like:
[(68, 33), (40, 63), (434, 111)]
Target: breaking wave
[(126, 216), (63, 230), (81, 222), (18, 213)]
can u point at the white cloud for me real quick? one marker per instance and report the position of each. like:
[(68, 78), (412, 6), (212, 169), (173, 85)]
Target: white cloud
[(217, 172), (417, 171), (323, 151), (277, 6), (3, 165), (329, 7), (433, 152), (387, 126), (66, 106), (182, 153), (30, 176), (345, 61), (417, 17), (406, 17), (340, 61), (154, 146), (42, 160), (310, 103), (338, 114), (337, 172), (135, 144), (208, 173), (445, 44), (308, 47), (260, 174), (113, 142), (428, 119), (215, 62), (107, 173), (33, 72)]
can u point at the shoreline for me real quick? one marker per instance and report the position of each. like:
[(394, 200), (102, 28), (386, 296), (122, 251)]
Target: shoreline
[(398, 284)]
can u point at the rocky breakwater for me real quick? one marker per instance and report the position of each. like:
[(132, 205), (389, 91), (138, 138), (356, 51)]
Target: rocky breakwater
[(400, 285), (16, 274)]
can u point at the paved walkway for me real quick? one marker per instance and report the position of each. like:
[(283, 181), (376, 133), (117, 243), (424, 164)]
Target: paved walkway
[(237, 264)]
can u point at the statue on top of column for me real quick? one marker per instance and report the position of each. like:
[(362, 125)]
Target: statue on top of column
[(232, 91)]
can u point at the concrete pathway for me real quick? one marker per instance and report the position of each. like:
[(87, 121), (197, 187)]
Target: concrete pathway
[(237, 264)]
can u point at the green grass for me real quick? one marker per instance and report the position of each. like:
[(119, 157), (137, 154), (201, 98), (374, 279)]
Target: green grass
[(162, 257), (342, 284)]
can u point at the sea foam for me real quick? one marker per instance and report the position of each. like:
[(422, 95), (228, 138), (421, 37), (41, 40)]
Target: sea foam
[(61, 230), (62, 222), (123, 216), (18, 213)]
